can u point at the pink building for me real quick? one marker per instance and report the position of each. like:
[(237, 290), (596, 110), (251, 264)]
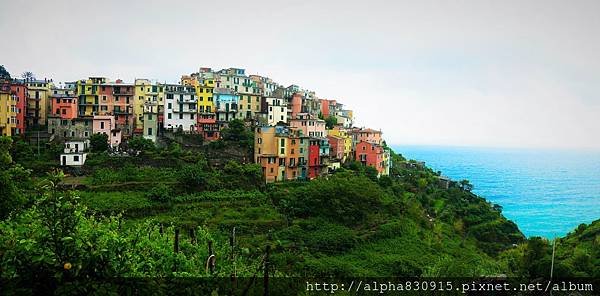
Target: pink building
[(310, 126), (105, 124)]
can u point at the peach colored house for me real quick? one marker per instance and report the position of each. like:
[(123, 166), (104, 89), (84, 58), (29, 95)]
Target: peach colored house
[(106, 124), (366, 135), (309, 125)]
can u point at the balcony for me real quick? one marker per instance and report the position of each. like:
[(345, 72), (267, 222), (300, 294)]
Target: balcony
[(187, 100), (184, 111)]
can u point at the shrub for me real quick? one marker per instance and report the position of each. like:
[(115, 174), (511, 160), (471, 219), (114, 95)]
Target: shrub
[(160, 193), (99, 142)]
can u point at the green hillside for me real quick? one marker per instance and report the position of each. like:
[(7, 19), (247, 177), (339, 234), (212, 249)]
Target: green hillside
[(120, 218)]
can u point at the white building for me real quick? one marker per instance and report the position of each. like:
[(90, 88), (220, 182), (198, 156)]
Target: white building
[(277, 110), (344, 118), (75, 152), (180, 111)]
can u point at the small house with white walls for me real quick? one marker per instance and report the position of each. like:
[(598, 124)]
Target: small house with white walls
[(75, 152)]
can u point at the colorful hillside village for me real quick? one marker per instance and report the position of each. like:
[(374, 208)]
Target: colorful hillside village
[(297, 134)]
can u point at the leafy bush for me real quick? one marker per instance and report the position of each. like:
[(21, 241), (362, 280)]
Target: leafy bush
[(99, 142), (139, 143), (343, 197), (160, 193)]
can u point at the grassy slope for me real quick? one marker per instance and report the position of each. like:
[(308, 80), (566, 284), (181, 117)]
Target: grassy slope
[(415, 228)]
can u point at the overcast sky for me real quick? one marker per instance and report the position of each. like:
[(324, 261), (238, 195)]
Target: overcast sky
[(469, 73)]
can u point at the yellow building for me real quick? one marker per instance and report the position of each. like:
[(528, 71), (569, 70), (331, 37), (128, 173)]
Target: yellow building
[(204, 91), (88, 93), (342, 133), (38, 103), (146, 93), (249, 105), (8, 113)]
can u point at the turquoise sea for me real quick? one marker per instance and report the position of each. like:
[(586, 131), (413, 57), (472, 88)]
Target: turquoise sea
[(547, 193)]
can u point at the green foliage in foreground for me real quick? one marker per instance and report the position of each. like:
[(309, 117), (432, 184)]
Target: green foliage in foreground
[(56, 240)]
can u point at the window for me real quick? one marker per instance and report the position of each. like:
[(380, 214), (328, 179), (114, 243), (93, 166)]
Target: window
[(170, 106), (169, 115), (180, 115), (102, 125), (149, 131), (76, 158), (192, 116)]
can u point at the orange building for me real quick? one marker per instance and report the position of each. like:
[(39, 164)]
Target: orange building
[(64, 106), (337, 146), (372, 155), (325, 107), (295, 105), (278, 149)]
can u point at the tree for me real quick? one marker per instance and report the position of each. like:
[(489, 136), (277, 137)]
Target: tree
[(4, 73), (28, 75), (99, 142), (466, 185), (14, 179), (194, 177), (236, 131), (160, 193), (330, 122), (139, 143), (5, 146)]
